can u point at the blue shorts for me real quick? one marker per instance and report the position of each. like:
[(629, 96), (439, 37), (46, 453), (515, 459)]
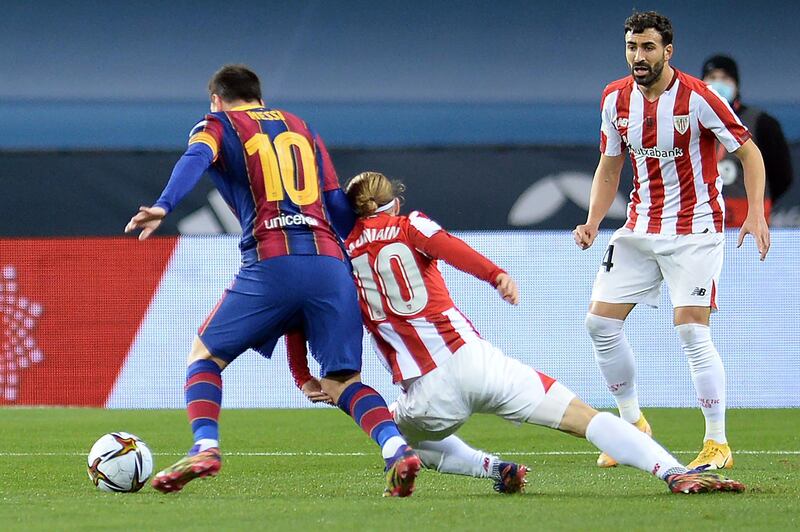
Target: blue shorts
[(270, 297)]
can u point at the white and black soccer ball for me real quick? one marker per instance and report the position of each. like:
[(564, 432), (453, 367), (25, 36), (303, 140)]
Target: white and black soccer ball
[(119, 462)]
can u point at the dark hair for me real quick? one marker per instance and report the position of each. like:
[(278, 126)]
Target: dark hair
[(235, 82), (638, 22), (721, 62)]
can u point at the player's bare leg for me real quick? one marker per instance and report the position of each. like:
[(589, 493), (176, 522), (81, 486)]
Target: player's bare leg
[(631, 447), (369, 411), (203, 397), (614, 357), (708, 376)]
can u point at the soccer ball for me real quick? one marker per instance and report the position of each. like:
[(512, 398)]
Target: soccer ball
[(119, 462)]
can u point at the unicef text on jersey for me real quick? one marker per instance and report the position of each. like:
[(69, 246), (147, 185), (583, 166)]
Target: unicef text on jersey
[(286, 220)]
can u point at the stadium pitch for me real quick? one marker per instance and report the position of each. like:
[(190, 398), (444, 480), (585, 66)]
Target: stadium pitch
[(304, 469)]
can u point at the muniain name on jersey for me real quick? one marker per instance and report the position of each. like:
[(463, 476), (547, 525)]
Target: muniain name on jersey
[(371, 235)]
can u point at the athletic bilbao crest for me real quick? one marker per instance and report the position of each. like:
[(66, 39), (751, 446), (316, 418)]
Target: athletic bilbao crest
[(681, 123), (18, 319)]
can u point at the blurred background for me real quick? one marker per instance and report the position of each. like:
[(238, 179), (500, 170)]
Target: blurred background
[(489, 111), (431, 92)]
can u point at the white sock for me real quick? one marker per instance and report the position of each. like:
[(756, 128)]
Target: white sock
[(206, 443), (391, 446), (614, 357), (629, 446), (452, 455), (708, 375)]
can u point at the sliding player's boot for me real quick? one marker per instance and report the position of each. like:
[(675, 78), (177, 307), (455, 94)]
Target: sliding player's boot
[(605, 460), (401, 472), (512, 478), (695, 481), (197, 465)]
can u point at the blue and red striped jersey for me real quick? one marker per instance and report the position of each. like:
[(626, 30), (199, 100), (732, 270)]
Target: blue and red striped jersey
[(273, 171)]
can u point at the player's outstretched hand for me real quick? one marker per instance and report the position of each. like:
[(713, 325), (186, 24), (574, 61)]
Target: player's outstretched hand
[(584, 235), (757, 226), (312, 389), (147, 219), (507, 288)]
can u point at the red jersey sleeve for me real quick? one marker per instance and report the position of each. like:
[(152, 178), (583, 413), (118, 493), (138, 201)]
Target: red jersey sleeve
[(297, 356), (611, 142), (429, 238), (716, 114)]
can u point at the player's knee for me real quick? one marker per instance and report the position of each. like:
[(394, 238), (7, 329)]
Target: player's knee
[(692, 315), (200, 352), (334, 384), (602, 327), (605, 332), (697, 345), (693, 333)]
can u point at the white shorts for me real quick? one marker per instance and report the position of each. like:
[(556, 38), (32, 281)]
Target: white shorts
[(478, 378), (635, 264)]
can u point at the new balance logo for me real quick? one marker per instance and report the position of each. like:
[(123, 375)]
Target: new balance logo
[(698, 291)]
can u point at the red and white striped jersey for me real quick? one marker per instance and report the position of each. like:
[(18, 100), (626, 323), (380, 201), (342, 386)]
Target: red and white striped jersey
[(404, 301), (671, 142)]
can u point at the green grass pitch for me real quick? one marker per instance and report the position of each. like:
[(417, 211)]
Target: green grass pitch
[(314, 469)]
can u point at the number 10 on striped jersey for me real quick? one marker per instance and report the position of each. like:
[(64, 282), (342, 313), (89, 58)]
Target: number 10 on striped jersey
[(398, 254)]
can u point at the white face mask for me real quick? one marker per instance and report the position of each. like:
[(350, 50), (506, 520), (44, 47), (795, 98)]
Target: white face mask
[(725, 89)]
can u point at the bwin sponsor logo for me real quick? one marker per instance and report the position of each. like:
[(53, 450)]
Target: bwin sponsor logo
[(285, 220)]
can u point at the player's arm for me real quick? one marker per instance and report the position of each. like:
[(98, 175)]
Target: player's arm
[(202, 151), (604, 191), (298, 366), (343, 219), (606, 176), (342, 216), (715, 114), (431, 239), (754, 179)]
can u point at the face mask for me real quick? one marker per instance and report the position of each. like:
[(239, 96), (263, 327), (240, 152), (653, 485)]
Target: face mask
[(725, 89)]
